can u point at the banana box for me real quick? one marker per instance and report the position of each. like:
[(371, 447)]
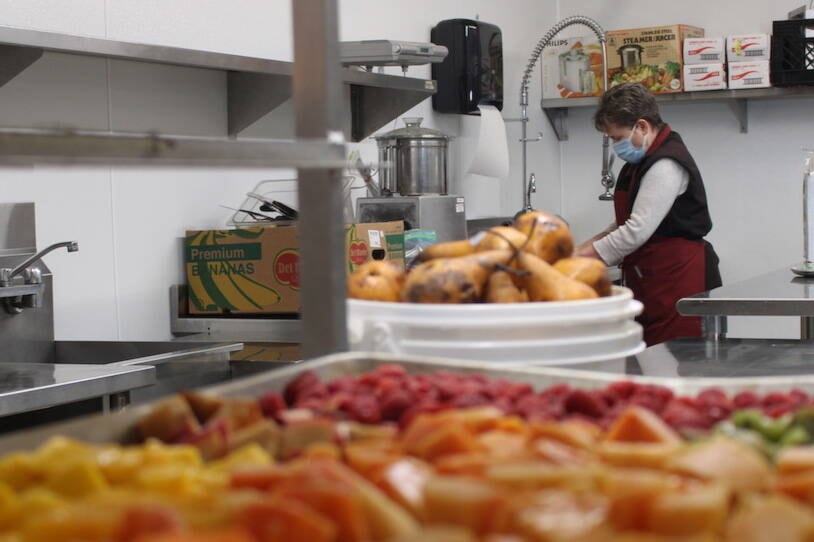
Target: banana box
[(256, 270)]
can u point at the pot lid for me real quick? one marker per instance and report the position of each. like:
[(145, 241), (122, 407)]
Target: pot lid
[(412, 130)]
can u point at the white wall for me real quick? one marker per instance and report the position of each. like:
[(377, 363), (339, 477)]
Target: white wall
[(128, 221)]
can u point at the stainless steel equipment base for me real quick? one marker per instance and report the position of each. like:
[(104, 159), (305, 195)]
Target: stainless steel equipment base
[(446, 215)]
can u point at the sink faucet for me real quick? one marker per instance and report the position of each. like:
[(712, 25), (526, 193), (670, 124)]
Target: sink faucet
[(607, 180), (532, 189), (15, 298), (524, 86), (8, 274)]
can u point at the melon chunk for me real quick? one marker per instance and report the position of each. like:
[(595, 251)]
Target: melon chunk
[(771, 519), (637, 424), (725, 460)]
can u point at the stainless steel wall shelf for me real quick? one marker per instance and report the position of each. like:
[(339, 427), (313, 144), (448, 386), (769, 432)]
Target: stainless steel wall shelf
[(738, 100), (255, 86), (22, 147)]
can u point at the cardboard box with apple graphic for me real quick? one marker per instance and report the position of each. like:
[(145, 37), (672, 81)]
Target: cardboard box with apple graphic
[(256, 270)]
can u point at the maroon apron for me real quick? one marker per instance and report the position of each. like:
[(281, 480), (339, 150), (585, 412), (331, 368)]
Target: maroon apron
[(660, 272)]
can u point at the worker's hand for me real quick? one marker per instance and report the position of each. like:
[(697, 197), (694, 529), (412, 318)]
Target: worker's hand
[(587, 250)]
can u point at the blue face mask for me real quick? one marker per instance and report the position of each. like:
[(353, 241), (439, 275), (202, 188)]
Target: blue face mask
[(629, 152)]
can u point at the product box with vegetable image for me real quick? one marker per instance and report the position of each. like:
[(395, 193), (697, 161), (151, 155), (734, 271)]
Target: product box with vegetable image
[(651, 56), (256, 270), (572, 68)]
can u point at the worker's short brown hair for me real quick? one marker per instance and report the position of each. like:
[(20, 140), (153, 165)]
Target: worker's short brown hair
[(624, 104)]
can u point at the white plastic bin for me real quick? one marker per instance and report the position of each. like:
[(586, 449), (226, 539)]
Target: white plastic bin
[(541, 333)]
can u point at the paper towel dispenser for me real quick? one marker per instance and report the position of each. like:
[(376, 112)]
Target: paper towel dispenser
[(472, 73)]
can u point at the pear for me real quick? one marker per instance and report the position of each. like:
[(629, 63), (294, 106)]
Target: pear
[(544, 283), (588, 271), (448, 249), (453, 280), (501, 289), (378, 280), (550, 236), (501, 238)]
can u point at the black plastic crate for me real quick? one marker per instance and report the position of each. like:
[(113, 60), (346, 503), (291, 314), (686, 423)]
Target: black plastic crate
[(792, 60)]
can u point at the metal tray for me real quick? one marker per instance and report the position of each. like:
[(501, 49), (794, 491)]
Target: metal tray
[(120, 427)]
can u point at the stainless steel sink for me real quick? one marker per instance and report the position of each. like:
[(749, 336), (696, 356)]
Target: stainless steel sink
[(74, 378), (177, 365)]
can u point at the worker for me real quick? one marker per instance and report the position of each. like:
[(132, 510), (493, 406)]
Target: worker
[(661, 215)]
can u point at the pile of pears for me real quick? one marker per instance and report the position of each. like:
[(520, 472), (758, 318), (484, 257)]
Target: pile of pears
[(529, 261)]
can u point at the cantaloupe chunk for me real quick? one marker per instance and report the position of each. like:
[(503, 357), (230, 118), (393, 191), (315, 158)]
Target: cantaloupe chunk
[(799, 485), (281, 519), (404, 481), (795, 459), (447, 439), (538, 475), (771, 519), (560, 515), (573, 433), (637, 424), (638, 454), (461, 501), (696, 510), (632, 494), (725, 460)]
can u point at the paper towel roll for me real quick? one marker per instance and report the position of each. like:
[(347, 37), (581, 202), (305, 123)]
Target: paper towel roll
[(492, 153)]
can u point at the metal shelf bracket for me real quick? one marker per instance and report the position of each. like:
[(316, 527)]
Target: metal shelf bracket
[(14, 60), (740, 107), (558, 118), (250, 96)]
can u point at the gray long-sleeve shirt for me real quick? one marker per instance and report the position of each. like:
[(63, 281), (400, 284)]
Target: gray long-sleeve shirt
[(658, 190)]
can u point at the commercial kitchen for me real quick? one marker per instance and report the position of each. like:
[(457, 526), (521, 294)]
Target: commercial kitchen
[(319, 270)]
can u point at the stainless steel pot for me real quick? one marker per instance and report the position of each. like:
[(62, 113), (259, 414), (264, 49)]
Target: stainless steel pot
[(416, 158)]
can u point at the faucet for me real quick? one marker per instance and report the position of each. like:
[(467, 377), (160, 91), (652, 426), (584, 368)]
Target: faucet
[(532, 189), (524, 88), (14, 298), (8, 274), (607, 180)]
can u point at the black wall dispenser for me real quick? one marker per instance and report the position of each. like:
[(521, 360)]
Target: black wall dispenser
[(472, 73)]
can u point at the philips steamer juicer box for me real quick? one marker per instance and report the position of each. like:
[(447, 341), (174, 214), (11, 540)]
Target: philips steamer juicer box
[(572, 68)]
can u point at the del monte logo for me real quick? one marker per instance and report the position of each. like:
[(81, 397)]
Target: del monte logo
[(287, 268), (358, 253)]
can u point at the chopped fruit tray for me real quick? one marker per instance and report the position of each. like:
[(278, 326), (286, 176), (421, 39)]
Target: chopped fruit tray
[(348, 448)]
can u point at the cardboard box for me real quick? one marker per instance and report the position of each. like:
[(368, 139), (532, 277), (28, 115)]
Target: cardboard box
[(374, 241), (283, 352), (747, 47), (749, 74), (704, 77), (572, 68), (704, 51), (256, 270), (651, 56)]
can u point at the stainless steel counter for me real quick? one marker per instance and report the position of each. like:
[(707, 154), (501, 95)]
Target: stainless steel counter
[(30, 386), (727, 358), (778, 293)]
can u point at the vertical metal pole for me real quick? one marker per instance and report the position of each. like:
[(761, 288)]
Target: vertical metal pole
[(317, 92), (806, 328)]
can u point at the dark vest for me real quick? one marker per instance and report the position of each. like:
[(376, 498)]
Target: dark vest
[(689, 216)]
